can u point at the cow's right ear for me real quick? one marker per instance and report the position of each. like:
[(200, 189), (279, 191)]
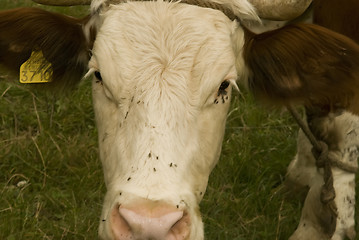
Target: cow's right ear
[(302, 63), (60, 38)]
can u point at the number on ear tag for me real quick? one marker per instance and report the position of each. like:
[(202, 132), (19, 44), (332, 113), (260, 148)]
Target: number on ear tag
[(36, 69)]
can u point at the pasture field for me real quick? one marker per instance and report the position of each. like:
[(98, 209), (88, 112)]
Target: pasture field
[(51, 181)]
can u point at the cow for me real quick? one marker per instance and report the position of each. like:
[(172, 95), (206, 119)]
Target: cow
[(337, 127), (163, 73), (318, 221)]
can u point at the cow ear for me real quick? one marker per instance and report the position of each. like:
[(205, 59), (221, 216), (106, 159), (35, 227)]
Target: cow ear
[(60, 38), (302, 63)]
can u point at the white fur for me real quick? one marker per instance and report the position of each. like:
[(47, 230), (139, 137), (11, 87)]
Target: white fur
[(160, 131), (303, 171)]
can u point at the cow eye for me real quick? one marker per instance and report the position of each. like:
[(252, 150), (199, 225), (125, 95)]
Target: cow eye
[(222, 94), (98, 76), (223, 86), (222, 89)]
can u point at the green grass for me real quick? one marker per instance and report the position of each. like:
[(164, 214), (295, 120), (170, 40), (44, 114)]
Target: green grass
[(49, 145), (244, 200)]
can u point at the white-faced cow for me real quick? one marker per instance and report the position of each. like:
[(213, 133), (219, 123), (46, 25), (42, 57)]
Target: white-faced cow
[(163, 73)]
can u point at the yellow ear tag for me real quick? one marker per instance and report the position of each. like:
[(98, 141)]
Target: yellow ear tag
[(36, 69)]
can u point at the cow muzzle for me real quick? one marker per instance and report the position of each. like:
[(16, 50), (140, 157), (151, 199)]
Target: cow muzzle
[(146, 219)]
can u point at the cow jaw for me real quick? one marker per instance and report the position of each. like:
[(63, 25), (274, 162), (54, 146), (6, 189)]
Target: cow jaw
[(161, 97)]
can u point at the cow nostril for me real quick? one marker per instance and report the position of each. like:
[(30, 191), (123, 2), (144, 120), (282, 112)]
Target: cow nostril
[(120, 228), (181, 229), (155, 227), (160, 223)]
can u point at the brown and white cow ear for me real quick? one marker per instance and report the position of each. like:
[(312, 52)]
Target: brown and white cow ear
[(302, 63), (60, 38)]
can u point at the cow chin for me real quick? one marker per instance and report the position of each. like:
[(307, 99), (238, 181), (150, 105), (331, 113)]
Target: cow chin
[(128, 216)]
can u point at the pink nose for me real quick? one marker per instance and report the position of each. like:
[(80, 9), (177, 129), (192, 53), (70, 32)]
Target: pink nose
[(149, 220)]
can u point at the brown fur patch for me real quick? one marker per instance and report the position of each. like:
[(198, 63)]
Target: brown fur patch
[(61, 39), (342, 17), (303, 63), (338, 15)]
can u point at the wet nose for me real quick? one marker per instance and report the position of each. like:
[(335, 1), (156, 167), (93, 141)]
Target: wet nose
[(149, 220)]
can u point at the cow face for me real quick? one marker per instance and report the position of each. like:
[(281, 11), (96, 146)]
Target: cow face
[(161, 93)]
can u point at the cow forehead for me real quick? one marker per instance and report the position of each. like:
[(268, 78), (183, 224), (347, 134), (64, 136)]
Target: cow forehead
[(161, 63), (138, 41)]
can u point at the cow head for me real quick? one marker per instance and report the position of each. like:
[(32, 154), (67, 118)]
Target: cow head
[(162, 79), (161, 104)]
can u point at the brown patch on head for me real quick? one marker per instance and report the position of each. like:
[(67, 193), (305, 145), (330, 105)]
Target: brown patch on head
[(303, 63), (340, 16), (60, 38)]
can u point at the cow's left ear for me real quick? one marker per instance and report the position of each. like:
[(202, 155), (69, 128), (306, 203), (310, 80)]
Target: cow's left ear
[(302, 63), (60, 38)]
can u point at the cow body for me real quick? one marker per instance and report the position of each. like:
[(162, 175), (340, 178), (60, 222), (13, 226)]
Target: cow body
[(317, 221), (162, 79)]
